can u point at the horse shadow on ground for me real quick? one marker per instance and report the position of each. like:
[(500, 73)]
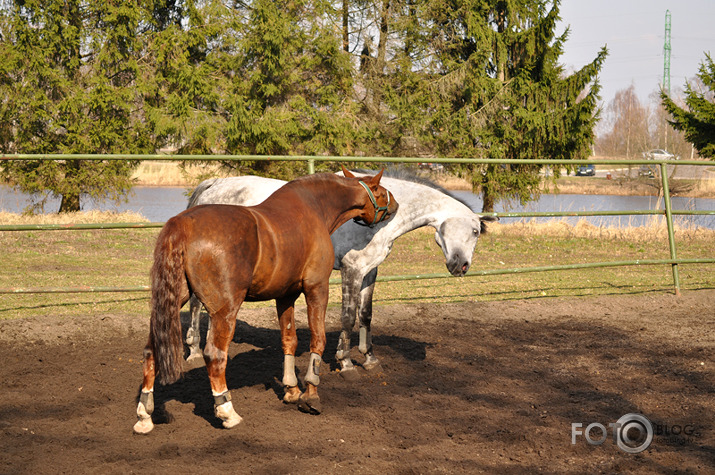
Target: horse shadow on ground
[(258, 360)]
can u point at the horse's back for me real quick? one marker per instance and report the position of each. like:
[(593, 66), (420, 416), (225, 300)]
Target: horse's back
[(242, 190)]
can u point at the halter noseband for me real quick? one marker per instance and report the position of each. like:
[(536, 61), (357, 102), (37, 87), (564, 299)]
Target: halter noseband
[(375, 220)]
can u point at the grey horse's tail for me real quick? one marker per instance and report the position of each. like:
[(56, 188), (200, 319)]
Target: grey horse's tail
[(203, 186)]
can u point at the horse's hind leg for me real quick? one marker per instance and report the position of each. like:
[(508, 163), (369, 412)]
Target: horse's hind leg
[(365, 344), (289, 342), (317, 300), (223, 324), (146, 398), (193, 334)]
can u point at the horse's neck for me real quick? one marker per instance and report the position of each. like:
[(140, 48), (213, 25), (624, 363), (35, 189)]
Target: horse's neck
[(334, 200), (429, 207)]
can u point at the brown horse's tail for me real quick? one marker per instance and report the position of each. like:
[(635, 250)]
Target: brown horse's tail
[(168, 282)]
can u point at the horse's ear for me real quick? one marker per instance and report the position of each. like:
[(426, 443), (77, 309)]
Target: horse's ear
[(483, 222), (346, 172), (375, 181)]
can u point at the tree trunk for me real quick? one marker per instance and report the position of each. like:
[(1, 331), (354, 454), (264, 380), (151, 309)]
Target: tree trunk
[(70, 202), (488, 192), (382, 42), (70, 196), (488, 200), (346, 36), (378, 66)]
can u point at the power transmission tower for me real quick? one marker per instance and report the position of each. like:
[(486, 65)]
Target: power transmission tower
[(666, 54), (666, 71)]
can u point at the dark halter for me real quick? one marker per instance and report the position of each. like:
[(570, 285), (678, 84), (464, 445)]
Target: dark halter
[(375, 220)]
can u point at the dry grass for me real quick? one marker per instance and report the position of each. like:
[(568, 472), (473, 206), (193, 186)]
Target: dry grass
[(705, 189), (600, 186), (123, 257), (656, 230), (450, 182), (152, 173), (80, 217)]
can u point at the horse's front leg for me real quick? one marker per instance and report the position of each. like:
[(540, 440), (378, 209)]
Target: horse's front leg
[(365, 310), (289, 342), (352, 280), (317, 299), (193, 335)]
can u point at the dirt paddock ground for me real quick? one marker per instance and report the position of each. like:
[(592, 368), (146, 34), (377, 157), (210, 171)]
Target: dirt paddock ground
[(463, 388)]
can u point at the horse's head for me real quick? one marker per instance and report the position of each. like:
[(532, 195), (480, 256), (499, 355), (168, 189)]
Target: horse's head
[(457, 237), (380, 204)]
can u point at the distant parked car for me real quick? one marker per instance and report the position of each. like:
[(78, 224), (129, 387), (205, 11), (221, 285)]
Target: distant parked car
[(647, 171), (659, 154), (586, 170)]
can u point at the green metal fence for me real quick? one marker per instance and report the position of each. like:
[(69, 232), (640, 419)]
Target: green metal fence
[(674, 261)]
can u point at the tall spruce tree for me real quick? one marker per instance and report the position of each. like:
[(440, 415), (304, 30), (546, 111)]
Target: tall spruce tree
[(290, 88), (698, 122), (506, 96), (68, 86), (477, 78), (184, 88)]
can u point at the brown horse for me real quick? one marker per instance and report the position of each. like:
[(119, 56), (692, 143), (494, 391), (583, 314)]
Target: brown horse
[(227, 254)]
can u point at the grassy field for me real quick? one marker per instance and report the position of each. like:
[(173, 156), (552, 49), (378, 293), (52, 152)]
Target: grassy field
[(123, 258)]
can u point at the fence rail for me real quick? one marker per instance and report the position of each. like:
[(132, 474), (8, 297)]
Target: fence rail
[(310, 161)]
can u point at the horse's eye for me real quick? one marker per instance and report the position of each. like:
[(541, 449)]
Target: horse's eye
[(476, 232)]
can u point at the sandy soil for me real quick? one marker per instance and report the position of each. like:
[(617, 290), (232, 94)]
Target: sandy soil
[(463, 388)]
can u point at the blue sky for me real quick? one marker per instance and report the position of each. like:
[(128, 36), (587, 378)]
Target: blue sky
[(634, 31)]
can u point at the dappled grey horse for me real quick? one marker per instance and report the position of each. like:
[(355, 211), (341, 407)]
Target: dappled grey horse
[(360, 249)]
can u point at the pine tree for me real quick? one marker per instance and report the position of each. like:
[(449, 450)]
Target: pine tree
[(68, 82), (698, 122)]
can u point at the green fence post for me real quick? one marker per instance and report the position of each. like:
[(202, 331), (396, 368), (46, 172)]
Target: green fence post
[(311, 166), (669, 220)]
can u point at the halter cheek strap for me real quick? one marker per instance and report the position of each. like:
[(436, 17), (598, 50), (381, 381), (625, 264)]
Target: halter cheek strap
[(375, 219)]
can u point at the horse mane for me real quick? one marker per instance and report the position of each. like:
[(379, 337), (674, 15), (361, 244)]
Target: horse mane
[(405, 174)]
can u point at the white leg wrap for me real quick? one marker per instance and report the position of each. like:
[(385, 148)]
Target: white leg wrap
[(312, 376), (144, 409), (343, 346), (289, 377), (227, 414), (365, 341)]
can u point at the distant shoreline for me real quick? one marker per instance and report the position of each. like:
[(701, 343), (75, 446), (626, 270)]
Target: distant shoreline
[(170, 174)]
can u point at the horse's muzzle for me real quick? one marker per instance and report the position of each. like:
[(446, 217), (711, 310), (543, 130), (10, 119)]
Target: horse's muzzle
[(458, 266)]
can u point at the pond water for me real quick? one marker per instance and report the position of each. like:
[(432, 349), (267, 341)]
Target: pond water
[(161, 203)]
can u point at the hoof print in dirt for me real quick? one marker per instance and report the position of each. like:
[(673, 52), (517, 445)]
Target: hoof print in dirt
[(350, 375)]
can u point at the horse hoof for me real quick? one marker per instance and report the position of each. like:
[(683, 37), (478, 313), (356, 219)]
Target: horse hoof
[(292, 395), (228, 415), (310, 404), (350, 375), (232, 421), (372, 364), (143, 426)]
